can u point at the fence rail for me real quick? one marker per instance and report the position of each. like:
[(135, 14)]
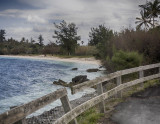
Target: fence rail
[(110, 76), (94, 101), (19, 113)]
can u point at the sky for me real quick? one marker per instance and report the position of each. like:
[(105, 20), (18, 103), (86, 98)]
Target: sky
[(30, 18)]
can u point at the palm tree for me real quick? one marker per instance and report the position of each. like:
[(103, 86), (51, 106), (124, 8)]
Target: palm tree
[(143, 20), (153, 10)]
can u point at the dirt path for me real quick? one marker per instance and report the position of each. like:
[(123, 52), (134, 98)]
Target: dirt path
[(141, 108)]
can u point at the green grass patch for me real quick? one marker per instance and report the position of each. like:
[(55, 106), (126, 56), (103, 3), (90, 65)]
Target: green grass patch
[(138, 87), (91, 116), (151, 83)]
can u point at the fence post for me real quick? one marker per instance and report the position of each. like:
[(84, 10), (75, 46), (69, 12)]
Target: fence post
[(67, 107), (23, 121), (99, 92), (119, 81), (141, 74)]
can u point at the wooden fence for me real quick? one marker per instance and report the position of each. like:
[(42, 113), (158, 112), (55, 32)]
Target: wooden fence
[(19, 113)]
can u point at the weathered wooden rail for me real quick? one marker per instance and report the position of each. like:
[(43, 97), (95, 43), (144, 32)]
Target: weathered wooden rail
[(19, 113)]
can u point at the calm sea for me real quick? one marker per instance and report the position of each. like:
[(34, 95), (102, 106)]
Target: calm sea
[(23, 80)]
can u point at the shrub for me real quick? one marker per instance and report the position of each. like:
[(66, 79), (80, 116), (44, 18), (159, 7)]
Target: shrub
[(123, 60), (86, 50), (147, 43)]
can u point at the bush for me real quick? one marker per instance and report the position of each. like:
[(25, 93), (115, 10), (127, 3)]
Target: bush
[(86, 50), (147, 43), (124, 60)]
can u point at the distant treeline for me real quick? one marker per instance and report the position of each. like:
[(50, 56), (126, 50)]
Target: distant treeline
[(14, 47)]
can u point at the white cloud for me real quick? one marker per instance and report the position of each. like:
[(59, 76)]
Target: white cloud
[(85, 14), (35, 18)]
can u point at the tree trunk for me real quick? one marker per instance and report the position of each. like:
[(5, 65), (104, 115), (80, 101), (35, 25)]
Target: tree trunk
[(153, 22)]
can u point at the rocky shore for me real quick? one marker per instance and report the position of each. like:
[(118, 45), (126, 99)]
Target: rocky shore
[(49, 117)]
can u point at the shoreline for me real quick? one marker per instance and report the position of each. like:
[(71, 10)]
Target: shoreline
[(50, 116), (89, 60)]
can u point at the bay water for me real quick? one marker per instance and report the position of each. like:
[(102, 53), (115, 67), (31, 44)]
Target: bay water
[(23, 80)]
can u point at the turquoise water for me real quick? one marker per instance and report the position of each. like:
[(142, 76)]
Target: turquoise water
[(23, 80)]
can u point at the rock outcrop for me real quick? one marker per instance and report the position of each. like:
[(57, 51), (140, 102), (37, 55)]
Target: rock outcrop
[(76, 80), (79, 79), (61, 82), (74, 69), (93, 70)]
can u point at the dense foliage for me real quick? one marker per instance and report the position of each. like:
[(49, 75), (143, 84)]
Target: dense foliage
[(2, 35), (147, 43), (100, 37), (149, 14), (123, 60)]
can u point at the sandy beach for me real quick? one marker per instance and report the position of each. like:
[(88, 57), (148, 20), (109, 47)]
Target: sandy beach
[(90, 60)]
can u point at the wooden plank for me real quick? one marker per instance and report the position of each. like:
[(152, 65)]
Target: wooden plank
[(141, 74), (23, 121), (94, 101), (119, 82), (99, 92), (67, 107), (91, 83), (21, 112), (78, 110)]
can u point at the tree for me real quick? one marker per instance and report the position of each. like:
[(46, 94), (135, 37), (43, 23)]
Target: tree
[(153, 10), (2, 35), (23, 39), (100, 37), (82, 42), (40, 38), (143, 20), (66, 35), (32, 41)]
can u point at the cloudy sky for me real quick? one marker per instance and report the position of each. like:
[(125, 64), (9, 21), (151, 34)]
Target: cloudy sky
[(29, 18)]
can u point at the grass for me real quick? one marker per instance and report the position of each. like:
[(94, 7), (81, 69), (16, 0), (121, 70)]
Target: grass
[(151, 83), (91, 116), (138, 87)]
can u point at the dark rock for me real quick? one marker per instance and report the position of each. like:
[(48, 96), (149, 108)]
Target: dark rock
[(61, 82), (12, 107), (101, 66), (74, 69), (93, 70), (76, 80), (79, 79)]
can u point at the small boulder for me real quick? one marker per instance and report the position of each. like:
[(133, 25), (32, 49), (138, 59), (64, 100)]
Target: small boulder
[(93, 70), (101, 66), (74, 69), (79, 79), (12, 107), (61, 82)]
